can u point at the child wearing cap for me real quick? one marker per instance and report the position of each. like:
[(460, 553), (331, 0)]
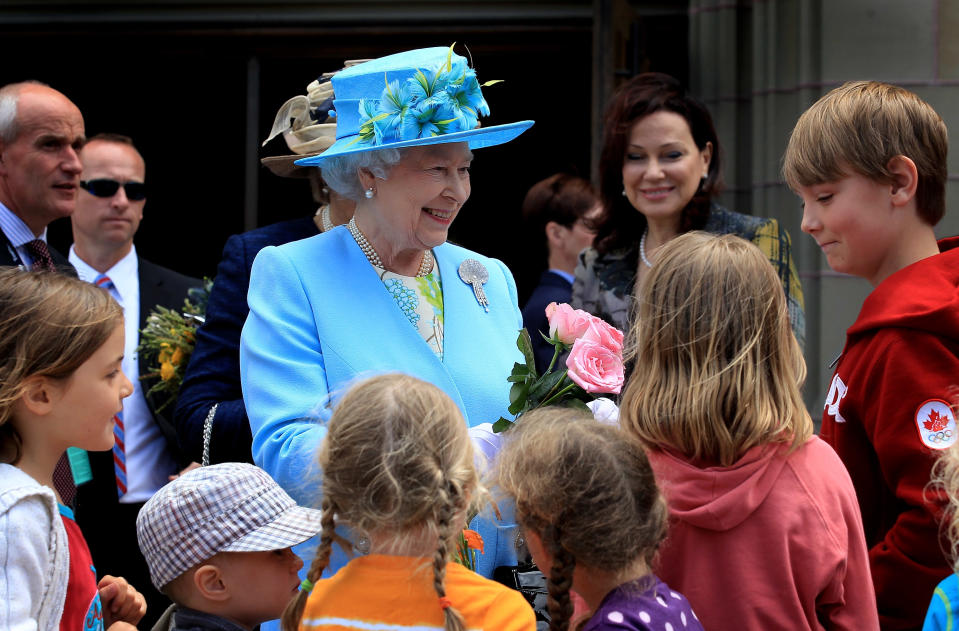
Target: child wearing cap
[(217, 541), (869, 162)]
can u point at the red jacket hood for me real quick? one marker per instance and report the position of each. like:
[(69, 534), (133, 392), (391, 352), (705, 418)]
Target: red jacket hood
[(718, 498), (923, 296)]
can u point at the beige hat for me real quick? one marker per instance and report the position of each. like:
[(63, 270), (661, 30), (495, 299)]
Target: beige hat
[(306, 125)]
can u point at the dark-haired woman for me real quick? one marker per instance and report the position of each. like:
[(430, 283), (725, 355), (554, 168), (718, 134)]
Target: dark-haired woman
[(659, 171)]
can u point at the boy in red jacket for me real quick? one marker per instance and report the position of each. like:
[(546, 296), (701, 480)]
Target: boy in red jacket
[(869, 162)]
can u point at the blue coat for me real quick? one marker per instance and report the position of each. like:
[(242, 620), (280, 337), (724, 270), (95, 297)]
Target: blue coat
[(320, 319)]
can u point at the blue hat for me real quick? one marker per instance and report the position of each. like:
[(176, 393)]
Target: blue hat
[(421, 97)]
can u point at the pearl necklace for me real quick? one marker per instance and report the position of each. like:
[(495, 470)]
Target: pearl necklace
[(426, 264), (325, 218), (642, 248)]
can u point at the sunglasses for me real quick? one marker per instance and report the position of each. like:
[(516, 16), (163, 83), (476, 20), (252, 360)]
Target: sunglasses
[(136, 191)]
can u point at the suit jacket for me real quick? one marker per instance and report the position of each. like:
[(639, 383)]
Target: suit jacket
[(158, 286), (213, 375), (320, 317), (552, 288), (9, 257)]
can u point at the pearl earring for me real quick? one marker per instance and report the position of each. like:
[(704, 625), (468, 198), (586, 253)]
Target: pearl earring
[(624, 192), (369, 193)]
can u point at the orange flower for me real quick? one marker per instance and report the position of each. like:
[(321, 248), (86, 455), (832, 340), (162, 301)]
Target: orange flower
[(473, 540), (167, 371), (177, 356)]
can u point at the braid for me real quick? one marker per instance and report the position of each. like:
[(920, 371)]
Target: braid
[(560, 580), (445, 514), (294, 611)]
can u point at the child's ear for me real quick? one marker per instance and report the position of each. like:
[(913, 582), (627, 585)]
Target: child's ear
[(39, 394), (208, 580), (906, 178)]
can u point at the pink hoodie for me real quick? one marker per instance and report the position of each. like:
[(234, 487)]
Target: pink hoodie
[(774, 541)]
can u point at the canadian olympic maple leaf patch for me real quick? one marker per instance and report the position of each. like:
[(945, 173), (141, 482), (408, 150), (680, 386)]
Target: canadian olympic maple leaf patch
[(936, 424)]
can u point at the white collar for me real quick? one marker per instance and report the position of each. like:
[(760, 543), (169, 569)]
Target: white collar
[(16, 230), (124, 272)]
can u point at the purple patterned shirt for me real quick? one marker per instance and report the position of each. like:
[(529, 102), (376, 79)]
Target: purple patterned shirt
[(641, 605)]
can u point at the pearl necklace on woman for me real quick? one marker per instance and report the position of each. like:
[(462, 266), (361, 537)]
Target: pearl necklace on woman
[(325, 220), (426, 264), (642, 248)]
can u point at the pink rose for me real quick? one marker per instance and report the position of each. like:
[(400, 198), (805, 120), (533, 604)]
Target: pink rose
[(602, 332), (595, 367), (565, 323)]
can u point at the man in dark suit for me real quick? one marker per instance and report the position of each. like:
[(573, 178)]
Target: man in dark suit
[(211, 387), (559, 208), (108, 212), (41, 132)]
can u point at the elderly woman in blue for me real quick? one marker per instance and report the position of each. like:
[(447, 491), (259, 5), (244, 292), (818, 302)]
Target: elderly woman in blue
[(386, 293)]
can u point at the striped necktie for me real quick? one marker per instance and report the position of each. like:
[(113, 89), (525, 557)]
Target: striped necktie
[(119, 438)]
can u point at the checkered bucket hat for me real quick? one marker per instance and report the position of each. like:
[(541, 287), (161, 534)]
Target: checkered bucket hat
[(228, 507)]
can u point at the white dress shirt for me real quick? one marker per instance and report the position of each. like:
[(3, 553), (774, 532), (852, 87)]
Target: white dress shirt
[(149, 463), (18, 233)]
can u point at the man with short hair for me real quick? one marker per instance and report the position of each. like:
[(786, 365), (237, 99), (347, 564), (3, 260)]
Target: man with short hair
[(108, 212), (41, 131)]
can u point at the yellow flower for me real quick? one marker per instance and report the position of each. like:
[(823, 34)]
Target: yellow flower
[(164, 356), (177, 356), (167, 371)]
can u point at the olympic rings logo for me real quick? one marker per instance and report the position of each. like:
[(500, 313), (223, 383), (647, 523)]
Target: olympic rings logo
[(944, 436)]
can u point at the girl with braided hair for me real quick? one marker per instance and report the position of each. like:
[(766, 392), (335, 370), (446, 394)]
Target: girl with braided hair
[(398, 470), (593, 518)]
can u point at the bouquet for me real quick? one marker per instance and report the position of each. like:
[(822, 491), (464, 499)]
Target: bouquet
[(168, 340), (594, 365)]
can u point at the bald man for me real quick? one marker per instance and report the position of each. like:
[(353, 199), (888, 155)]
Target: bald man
[(41, 132)]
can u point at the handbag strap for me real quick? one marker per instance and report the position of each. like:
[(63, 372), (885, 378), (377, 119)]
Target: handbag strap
[(207, 433)]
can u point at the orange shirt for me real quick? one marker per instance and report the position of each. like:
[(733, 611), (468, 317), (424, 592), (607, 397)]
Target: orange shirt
[(398, 591)]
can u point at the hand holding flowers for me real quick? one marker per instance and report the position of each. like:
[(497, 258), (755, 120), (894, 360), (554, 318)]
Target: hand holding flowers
[(594, 365)]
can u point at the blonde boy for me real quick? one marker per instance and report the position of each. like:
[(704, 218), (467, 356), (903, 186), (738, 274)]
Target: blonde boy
[(217, 541), (869, 162)]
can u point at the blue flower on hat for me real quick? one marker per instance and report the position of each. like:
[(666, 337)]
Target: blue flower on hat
[(468, 98), (431, 117), (394, 104), (432, 102), (370, 133)]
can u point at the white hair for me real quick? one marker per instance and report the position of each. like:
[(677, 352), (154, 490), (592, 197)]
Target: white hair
[(341, 173), (9, 98)]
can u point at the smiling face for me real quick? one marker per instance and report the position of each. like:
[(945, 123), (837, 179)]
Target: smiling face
[(663, 166), (87, 400), (853, 222), (413, 208), (271, 576), (108, 223), (40, 169)]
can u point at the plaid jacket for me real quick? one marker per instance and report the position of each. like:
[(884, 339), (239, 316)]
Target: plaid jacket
[(604, 283)]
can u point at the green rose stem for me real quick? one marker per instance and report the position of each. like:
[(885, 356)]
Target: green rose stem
[(558, 394), (558, 347)]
